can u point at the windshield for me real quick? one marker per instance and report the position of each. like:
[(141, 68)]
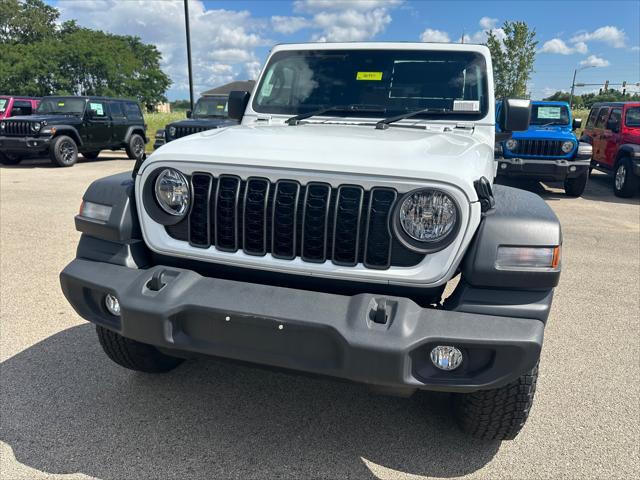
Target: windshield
[(3, 104), (210, 107), (63, 106), (632, 117), (549, 115), (390, 82)]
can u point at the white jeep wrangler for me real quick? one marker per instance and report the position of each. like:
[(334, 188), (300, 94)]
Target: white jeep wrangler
[(320, 233)]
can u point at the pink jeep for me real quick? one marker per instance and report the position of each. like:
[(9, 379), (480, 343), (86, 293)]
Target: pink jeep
[(14, 106)]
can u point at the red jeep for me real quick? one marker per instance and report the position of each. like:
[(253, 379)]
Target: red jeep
[(16, 106), (613, 129)]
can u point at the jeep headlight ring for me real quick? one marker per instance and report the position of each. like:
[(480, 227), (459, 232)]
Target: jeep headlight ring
[(36, 126), (172, 192), (2, 126), (567, 146), (426, 220), (172, 132), (511, 144)]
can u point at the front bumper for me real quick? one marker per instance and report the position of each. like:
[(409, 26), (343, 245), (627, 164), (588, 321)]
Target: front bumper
[(22, 145), (304, 330), (542, 169)]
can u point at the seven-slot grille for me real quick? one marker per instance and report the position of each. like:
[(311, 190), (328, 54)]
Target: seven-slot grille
[(17, 128), (542, 148), (346, 225), (184, 131)]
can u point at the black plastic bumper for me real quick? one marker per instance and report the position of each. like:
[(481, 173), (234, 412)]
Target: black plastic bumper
[(304, 330), (542, 169), (24, 145)]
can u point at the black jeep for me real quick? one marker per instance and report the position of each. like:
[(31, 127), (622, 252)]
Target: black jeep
[(210, 112), (62, 127)]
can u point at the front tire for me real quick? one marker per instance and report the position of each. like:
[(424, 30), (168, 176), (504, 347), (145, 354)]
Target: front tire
[(135, 147), (574, 187), (9, 159), (135, 355), (625, 183), (497, 414), (63, 151)]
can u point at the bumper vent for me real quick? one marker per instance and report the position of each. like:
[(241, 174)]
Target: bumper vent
[(315, 222), (15, 128), (542, 148)]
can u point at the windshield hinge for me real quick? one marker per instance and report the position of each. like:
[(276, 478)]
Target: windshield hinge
[(263, 118), (465, 126)]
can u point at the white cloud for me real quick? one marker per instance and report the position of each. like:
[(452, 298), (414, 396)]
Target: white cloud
[(557, 45), (431, 35), (594, 61), (635, 48), (609, 34), (338, 20), (222, 41), (488, 23), (288, 25)]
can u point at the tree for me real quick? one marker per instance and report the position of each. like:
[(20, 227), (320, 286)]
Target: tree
[(588, 99), (513, 58), (40, 57)]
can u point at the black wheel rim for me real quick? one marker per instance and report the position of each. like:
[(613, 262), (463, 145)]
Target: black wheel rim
[(138, 147), (67, 151)]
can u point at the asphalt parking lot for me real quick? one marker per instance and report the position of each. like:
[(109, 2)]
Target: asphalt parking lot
[(68, 412)]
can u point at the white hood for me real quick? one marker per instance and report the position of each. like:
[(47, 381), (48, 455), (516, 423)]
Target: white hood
[(449, 157)]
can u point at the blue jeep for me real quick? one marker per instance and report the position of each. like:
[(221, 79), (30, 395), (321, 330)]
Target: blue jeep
[(548, 150)]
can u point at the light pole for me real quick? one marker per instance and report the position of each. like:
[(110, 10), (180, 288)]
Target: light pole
[(186, 23), (573, 83)]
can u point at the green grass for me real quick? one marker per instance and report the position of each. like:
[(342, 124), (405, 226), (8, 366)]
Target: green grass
[(156, 121)]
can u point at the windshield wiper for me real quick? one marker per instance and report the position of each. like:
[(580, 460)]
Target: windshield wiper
[(384, 123), (335, 108)]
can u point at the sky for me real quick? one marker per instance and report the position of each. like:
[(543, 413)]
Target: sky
[(231, 38)]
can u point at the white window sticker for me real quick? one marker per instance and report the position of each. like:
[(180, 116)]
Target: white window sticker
[(550, 113), (466, 105), (97, 107)]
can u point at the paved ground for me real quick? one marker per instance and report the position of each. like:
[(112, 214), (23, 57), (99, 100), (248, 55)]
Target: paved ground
[(68, 412)]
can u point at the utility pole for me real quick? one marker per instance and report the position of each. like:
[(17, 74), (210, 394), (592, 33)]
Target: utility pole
[(573, 83), (186, 23)]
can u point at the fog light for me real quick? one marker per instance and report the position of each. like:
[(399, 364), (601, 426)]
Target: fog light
[(572, 168), (112, 304), (503, 166), (446, 357)]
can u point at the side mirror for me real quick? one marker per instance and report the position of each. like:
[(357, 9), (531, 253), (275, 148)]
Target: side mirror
[(237, 103), (614, 126), (189, 113), (515, 115), (91, 114), (577, 123)]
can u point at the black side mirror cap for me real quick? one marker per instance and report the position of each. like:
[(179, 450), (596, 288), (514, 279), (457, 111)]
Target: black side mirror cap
[(189, 113), (515, 115), (237, 104), (577, 123)]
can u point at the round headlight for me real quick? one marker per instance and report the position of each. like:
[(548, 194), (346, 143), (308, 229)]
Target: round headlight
[(36, 126), (567, 146), (172, 192), (2, 126), (172, 131), (511, 144), (428, 219)]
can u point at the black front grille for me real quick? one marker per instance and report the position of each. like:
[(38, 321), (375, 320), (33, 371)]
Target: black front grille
[(17, 128), (541, 148), (184, 131), (315, 222)]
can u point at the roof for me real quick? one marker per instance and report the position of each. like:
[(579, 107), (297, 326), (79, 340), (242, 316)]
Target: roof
[(613, 104), (20, 97), (92, 97), (447, 47), (244, 85), (551, 102)]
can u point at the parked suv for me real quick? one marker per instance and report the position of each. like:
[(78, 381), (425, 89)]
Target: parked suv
[(614, 131), (62, 127), (320, 233), (548, 150), (17, 106), (209, 112)]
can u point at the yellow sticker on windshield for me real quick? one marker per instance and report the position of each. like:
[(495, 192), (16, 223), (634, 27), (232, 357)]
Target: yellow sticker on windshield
[(61, 104), (219, 107), (369, 76)]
